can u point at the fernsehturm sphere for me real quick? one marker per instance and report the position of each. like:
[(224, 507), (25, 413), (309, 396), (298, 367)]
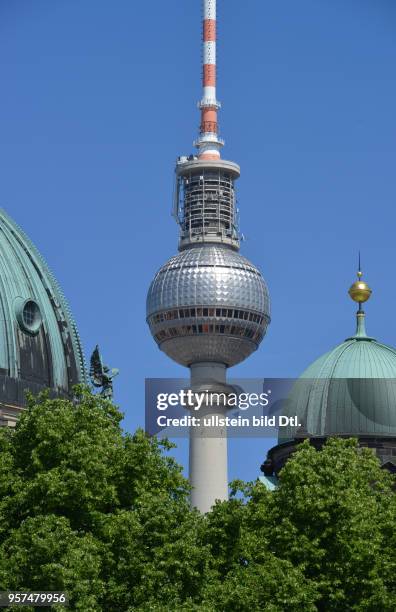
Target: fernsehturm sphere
[(208, 306)]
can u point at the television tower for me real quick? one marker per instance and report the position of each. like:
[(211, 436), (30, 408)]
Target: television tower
[(208, 306)]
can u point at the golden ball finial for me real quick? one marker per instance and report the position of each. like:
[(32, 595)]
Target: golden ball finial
[(360, 291)]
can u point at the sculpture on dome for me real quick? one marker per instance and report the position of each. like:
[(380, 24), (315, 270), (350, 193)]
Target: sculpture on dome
[(101, 375)]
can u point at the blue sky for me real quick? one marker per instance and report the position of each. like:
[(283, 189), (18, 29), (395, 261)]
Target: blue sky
[(99, 98)]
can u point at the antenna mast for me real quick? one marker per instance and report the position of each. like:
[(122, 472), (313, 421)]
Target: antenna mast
[(208, 142)]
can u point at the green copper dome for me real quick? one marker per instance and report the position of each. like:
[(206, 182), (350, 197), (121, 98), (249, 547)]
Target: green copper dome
[(39, 342), (349, 390)]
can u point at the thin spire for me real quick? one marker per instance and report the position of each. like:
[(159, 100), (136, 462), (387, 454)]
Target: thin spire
[(360, 292), (359, 275)]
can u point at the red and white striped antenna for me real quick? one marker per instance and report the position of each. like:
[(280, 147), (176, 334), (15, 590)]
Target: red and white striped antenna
[(208, 142)]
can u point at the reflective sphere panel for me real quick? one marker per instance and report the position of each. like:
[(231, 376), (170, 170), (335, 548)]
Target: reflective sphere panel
[(208, 303)]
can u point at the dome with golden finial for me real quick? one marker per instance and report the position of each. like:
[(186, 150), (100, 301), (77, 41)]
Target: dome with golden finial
[(349, 391)]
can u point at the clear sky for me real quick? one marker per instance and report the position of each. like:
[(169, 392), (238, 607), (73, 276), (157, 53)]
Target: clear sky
[(99, 98)]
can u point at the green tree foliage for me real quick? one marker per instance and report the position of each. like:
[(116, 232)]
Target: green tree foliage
[(98, 513), (104, 515), (326, 536)]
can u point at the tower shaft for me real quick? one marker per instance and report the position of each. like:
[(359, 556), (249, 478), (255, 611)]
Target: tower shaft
[(208, 470)]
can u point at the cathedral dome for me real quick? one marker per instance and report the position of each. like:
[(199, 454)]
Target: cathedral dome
[(349, 390), (352, 388), (39, 342)]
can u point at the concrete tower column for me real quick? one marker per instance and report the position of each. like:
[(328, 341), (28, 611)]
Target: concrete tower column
[(208, 469)]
